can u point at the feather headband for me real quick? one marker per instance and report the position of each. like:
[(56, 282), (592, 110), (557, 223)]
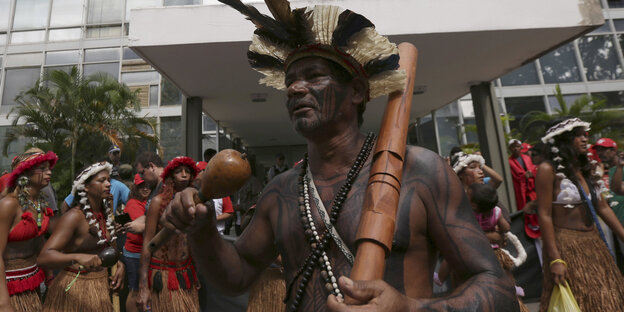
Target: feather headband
[(28, 163), (465, 159), (564, 126), (79, 182), (180, 161), (342, 36)]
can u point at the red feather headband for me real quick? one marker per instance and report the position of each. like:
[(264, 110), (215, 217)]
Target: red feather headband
[(180, 161), (29, 163)]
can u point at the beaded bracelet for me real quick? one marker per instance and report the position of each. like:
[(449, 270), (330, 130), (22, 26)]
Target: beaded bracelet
[(559, 261)]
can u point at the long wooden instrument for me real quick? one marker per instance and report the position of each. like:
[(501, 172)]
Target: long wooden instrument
[(377, 223), (225, 173)]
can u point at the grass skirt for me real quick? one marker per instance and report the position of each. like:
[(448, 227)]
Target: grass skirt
[(27, 301), (268, 292), (89, 293), (595, 281), (177, 300)]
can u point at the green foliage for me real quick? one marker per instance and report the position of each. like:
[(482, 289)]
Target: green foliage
[(78, 118), (604, 123), (474, 147)]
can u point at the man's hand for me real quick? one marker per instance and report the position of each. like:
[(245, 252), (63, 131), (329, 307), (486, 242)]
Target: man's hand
[(375, 295), (144, 301), (184, 215), (136, 227), (528, 174), (117, 281)]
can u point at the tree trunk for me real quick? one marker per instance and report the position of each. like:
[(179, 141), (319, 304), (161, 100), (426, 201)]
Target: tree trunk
[(73, 154)]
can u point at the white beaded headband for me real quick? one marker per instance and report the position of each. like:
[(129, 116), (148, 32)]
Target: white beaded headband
[(465, 159), (79, 182)]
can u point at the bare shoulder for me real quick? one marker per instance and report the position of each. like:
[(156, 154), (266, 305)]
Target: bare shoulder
[(72, 217), (8, 206), (425, 166)]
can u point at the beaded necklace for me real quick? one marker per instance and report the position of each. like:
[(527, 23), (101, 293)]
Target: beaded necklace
[(26, 203), (319, 242)]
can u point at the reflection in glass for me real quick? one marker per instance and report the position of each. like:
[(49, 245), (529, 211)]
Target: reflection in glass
[(525, 75), (111, 69), (16, 81), (104, 11), (14, 149), (560, 65), (599, 58), (169, 93), (140, 78), (5, 5), (181, 2), (153, 96), (62, 57), (208, 124), (31, 14), (65, 68), (66, 13), (568, 98), (28, 36), (65, 34), (103, 32), (3, 39), (128, 54), (517, 107), (136, 4), (616, 3), (24, 59), (614, 99), (99, 55), (170, 137)]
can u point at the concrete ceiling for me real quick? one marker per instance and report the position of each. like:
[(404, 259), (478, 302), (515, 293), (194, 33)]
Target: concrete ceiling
[(212, 64)]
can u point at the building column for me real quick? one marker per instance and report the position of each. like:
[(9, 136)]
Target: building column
[(192, 127), (492, 138)]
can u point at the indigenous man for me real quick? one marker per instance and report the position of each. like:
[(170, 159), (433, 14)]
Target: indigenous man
[(329, 75)]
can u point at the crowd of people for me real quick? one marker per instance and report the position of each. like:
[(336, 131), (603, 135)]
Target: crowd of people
[(298, 239)]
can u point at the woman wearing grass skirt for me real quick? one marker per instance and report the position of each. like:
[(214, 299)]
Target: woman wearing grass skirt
[(84, 231)]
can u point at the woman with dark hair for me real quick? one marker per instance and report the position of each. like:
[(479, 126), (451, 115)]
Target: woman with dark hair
[(471, 168), (574, 244), (167, 279), (24, 218), (81, 234), (135, 208)]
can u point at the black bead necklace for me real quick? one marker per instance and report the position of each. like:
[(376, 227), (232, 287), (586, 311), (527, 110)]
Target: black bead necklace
[(319, 242)]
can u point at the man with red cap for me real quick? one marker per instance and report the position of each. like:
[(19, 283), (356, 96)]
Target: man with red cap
[(606, 149), (522, 173)]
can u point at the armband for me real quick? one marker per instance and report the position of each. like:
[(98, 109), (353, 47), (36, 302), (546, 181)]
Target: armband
[(559, 261)]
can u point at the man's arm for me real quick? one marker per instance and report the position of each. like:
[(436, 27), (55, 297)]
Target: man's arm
[(616, 182), (231, 268)]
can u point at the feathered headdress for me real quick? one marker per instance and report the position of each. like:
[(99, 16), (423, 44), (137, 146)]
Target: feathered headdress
[(28, 161), (463, 160), (342, 36)]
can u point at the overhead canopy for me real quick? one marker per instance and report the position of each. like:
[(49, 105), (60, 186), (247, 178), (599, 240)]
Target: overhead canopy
[(202, 50)]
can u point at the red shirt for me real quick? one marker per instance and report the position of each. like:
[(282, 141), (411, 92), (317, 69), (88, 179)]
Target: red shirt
[(135, 208), (227, 205)]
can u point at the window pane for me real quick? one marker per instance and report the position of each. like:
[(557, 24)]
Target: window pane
[(66, 68), (448, 130), (517, 107), (14, 149), (424, 134), (616, 3), (153, 96), (28, 36), (3, 39), (560, 65), (208, 124), (31, 14), (599, 58), (614, 99), (525, 75), (5, 5), (182, 2), (619, 24), (568, 98), (66, 13), (17, 80), (109, 68), (1, 63), (26, 59), (605, 28), (142, 78), (62, 57), (128, 54), (169, 94), (65, 34), (103, 32), (170, 137), (104, 11), (99, 55), (137, 4)]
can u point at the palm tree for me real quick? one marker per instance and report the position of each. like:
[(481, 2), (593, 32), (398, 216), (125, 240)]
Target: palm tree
[(589, 108), (65, 110)]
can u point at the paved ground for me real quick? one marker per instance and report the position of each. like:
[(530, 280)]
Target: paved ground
[(533, 306)]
